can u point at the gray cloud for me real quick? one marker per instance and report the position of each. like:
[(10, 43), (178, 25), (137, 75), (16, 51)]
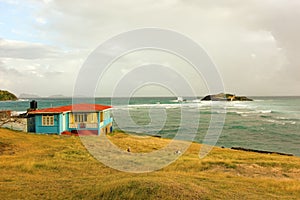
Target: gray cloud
[(5, 71), (36, 68), (255, 44), (26, 50)]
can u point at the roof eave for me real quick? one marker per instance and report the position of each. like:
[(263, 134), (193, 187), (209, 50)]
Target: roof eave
[(37, 113)]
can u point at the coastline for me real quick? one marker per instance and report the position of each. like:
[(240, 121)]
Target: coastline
[(269, 124)]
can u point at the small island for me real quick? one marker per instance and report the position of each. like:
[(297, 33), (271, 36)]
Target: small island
[(225, 97), (7, 96)]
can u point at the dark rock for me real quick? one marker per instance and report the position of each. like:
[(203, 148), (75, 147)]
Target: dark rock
[(260, 151), (225, 97)]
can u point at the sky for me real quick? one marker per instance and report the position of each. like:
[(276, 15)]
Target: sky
[(254, 44)]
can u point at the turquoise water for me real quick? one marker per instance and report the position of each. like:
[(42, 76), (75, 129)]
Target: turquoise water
[(268, 123)]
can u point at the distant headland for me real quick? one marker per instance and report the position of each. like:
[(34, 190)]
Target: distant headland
[(34, 96), (28, 96), (7, 96), (225, 97)]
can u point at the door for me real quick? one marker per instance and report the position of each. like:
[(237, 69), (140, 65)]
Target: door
[(64, 121)]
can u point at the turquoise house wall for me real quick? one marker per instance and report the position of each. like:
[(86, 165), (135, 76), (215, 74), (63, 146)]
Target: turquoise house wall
[(39, 128), (67, 122), (106, 122), (106, 126), (107, 118)]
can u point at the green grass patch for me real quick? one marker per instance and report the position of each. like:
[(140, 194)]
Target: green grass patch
[(58, 167)]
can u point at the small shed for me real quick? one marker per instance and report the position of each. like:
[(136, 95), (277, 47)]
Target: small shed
[(82, 118)]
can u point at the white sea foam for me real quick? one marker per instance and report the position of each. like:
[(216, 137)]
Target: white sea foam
[(280, 122), (240, 105), (283, 118), (275, 121), (196, 101), (179, 105), (265, 111), (244, 112)]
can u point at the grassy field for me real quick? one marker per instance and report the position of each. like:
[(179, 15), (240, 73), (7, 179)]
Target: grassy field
[(59, 167)]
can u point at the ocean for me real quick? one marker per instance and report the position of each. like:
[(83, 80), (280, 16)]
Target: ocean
[(267, 123)]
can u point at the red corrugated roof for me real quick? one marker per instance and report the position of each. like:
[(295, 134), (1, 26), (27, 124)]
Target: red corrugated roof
[(72, 108)]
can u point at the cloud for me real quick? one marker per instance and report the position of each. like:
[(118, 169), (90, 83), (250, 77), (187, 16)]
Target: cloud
[(26, 50), (4, 70), (255, 44), (41, 20), (36, 68)]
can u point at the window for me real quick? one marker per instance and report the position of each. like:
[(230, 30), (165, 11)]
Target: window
[(81, 117), (47, 120), (92, 117)]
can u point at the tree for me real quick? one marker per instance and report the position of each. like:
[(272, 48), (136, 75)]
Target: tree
[(6, 96)]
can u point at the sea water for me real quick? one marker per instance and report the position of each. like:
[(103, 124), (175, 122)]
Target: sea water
[(267, 123)]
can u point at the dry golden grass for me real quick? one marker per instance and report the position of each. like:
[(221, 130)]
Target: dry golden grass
[(59, 167)]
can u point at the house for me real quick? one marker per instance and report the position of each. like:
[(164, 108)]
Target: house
[(91, 119)]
